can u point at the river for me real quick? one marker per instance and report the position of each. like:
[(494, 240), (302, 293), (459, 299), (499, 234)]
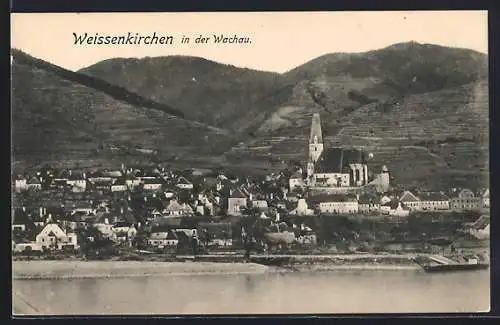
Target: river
[(401, 291)]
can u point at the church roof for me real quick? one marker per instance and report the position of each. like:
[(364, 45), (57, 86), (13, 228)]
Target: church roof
[(337, 160), (316, 129)]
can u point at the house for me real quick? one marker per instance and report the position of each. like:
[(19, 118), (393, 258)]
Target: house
[(102, 184), (162, 237), (53, 237), (410, 200), (119, 185), (105, 228), (368, 204), (466, 201), (151, 184), (261, 205), (296, 181), (82, 206), (385, 199), (173, 208), (336, 203), (302, 209), (394, 209), (216, 234), (124, 230), (486, 198), (132, 181), (184, 184), (34, 184), (431, 201), (398, 211), (20, 184), (235, 202), (77, 182)]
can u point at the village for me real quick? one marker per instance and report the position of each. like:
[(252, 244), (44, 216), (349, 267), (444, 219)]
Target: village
[(335, 204), (160, 209)]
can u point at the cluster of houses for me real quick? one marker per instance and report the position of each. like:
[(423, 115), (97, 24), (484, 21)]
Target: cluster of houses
[(170, 206)]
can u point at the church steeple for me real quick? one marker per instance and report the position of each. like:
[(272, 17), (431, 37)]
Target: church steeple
[(316, 139)]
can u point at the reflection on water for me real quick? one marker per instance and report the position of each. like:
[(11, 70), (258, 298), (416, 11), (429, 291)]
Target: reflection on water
[(332, 292)]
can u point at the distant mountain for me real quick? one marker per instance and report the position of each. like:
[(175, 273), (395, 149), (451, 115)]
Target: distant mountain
[(65, 117), (339, 84), (421, 109), (203, 90)]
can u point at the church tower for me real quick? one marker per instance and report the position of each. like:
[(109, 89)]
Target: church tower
[(315, 145), (316, 139)]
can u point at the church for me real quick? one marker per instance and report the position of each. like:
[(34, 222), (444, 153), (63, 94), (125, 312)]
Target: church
[(341, 168)]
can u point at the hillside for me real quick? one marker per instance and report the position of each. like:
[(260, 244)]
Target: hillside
[(59, 117), (340, 83), (421, 109), (203, 90)]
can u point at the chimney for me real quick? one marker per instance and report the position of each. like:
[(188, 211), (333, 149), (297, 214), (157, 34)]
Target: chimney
[(41, 211), (106, 221)]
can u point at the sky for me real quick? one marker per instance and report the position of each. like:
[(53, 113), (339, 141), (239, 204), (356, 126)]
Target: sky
[(279, 41)]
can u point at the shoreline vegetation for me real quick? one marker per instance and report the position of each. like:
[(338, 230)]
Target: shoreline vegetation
[(206, 265)]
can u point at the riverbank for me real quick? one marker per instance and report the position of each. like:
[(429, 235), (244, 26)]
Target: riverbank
[(33, 270), (258, 264)]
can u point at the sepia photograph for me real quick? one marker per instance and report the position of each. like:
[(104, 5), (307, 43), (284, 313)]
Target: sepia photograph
[(250, 163)]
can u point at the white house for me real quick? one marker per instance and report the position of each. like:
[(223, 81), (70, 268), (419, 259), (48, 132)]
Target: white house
[(174, 209), (410, 200), (52, 236), (302, 209), (184, 184), (336, 203), (466, 200), (34, 184), (367, 204), (432, 201), (152, 185), (236, 201), (20, 184), (77, 183), (260, 204), (486, 198), (296, 180), (162, 238)]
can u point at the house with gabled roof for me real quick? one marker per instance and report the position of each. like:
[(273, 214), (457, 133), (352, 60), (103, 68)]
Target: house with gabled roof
[(431, 201), (162, 236), (466, 200), (173, 208), (184, 184), (34, 184), (77, 182), (236, 201), (410, 200), (368, 203), (53, 237)]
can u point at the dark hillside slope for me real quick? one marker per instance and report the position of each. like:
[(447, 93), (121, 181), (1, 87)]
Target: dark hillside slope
[(203, 90), (60, 120)]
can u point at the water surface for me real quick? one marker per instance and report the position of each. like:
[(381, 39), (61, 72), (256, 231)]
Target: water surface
[(297, 293)]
